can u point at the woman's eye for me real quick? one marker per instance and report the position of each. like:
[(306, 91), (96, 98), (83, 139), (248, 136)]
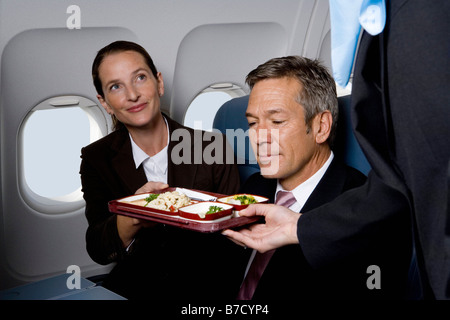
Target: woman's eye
[(141, 77), (113, 87)]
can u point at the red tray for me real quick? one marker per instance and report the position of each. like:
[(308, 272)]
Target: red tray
[(173, 219)]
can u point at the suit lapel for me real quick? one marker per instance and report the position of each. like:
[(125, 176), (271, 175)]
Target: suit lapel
[(124, 165), (180, 175), (329, 187)]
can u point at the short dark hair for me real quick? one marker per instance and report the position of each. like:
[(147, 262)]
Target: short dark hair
[(116, 47), (318, 91)]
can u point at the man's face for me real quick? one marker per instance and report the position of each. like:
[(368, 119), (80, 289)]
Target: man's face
[(284, 147)]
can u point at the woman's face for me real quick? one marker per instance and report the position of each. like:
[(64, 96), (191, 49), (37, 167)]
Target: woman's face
[(131, 92)]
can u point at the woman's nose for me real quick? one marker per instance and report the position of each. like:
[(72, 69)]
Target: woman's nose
[(132, 93)]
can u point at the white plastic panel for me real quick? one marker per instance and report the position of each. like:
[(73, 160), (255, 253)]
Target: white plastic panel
[(206, 50), (37, 65), (41, 58), (50, 139)]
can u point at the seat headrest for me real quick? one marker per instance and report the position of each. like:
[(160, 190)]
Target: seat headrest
[(232, 115)]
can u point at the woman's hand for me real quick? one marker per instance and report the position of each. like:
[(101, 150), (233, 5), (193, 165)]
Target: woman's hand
[(127, 227), (152, 186)]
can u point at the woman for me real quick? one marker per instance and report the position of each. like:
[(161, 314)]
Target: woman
[(153, 260)]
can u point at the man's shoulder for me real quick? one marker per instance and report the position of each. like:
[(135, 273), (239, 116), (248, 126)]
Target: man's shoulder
[(354, 177)]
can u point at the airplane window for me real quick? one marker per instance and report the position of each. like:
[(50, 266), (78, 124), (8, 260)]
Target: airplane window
[(202, 110), (52, 137), (51, 150)]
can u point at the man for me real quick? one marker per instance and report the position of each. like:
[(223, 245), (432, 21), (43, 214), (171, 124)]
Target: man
[(400, 117), (292, 114)]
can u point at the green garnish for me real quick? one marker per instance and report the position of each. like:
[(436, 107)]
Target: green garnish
[(245, 199), (214, 209), (151, 197)]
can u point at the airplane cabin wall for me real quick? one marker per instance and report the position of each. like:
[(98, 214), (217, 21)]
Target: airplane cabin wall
[(194, 44)]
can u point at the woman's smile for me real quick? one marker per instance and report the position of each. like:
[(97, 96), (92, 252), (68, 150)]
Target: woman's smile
[(138, 107)]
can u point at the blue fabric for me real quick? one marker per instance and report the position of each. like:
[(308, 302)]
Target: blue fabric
[(232, 116), (347, 17)]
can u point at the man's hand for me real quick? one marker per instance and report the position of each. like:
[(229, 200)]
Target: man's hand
[(279, 230)]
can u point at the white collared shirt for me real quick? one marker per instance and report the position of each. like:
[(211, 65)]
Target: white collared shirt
[(304, 190), (155, 167), (301, 194)]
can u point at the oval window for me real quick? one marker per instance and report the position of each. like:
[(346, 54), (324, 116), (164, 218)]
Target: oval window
[(52, 136), (52, 140), (202, 110)]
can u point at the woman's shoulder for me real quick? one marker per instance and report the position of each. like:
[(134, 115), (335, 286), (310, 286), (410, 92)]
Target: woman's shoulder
[(107, 142)]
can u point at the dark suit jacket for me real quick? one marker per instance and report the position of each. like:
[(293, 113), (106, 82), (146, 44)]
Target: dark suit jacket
[(289, 275), (401, 115), (163, 262)]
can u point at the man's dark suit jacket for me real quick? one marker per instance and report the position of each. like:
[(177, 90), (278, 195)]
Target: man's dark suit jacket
[(164, 262), (400, 115), (289, 276)]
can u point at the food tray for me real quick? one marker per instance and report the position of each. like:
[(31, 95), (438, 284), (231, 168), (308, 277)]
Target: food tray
[(121, 207)]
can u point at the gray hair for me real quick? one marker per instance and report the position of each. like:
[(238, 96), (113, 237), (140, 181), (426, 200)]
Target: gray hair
[(318, 93)]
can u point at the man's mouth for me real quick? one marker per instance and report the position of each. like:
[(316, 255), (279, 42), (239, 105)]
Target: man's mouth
[(266, 158)]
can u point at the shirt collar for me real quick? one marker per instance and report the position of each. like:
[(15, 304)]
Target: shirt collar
[(304, 190), (139, 155)]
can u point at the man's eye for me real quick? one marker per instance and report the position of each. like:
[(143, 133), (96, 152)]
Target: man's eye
[(114, 87), (277, 122)]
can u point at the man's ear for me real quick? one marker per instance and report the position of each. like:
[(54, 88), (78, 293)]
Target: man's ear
[(324, 121), (104, 104)]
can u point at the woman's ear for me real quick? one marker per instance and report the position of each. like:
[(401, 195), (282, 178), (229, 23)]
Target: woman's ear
[(323, 128), (160, 83), (105, 105)]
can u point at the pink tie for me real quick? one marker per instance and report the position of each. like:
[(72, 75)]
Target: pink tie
[(261, 260)]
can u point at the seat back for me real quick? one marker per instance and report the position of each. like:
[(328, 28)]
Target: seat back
[(230, 120)]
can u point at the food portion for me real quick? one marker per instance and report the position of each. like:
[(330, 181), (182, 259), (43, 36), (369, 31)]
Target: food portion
[(207, 210), (214, 209), (243, 199), (167, 201)]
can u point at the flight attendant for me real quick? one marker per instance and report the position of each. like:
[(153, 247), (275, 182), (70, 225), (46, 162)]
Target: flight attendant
[(153, 260)]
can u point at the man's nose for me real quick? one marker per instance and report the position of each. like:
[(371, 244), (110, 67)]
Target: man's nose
[(263, 135)]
